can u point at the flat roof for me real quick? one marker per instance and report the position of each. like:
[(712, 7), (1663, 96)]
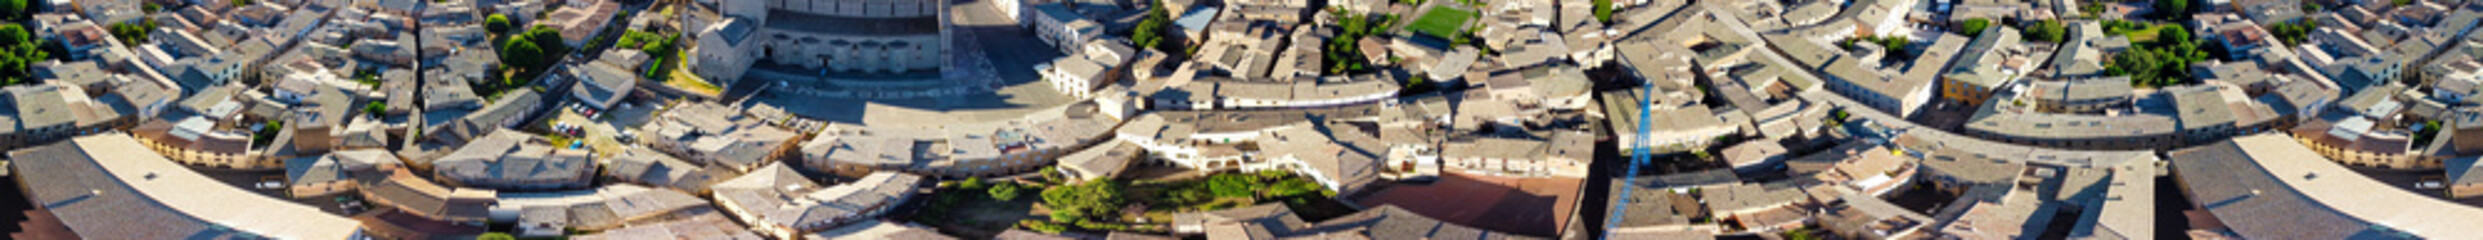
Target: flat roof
[(1937, 144), (2202, 107), (104, 183), (2128, 206), (2269, 186), (2012, 122), (2080, 90)]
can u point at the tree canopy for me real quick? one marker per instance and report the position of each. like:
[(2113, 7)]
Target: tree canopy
[(1973, 27), (2046, 31), (18, 56), (496, 23), (13, 9), (1043, 226), (1004, 191), (1097, 198), (2172, 9), (534, 49), (1233, 185), (375, 108), (1603, 10), (132, 34), (2293, 33), (972, 183), (2164, 61), (1341, 52)]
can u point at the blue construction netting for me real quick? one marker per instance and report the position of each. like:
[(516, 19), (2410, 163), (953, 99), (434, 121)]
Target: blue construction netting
[(1638, 156)]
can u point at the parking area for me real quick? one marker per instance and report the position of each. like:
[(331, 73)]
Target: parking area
[(2413, 181), (600, 131), (271, 183)]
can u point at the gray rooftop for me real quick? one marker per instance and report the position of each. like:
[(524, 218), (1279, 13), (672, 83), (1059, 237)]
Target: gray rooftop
[(93, 185), (2099, 89), (2202, 107), (509, 159), (779, 197), (38, 106), (2233, 186)]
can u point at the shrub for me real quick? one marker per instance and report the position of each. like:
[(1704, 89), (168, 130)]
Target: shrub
[(497, 23), (1004, 192)]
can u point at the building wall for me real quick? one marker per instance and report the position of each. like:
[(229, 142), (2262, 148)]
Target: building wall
[(2372, 159), (1542, 167), (2465, 190), (1963, 91), (1902, 104), (720, 61), (1057, 30), (2049, 106), (858, 8), (851, 53), (192, 157), (320, 189), (1080, 87), (1236, 102), (1003, 165), (2118, 142)]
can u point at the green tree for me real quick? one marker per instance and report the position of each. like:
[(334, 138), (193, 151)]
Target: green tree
[(497, 23), (1060, 215), (519, 52), (1150, 32), (132, 34), (2047, 31), (633, 39), (1096, 198), (495, 236), (18, 55), (1603, 10), (1042, 226), (1272, 174), (1232, 185), (1973, 27), (375, 108), (1004, 191), (1293, 187), (549, 38), (1053, 175), (13, 9), (659, 46), (2161, 62), (2292, 33), (243, 3), (2173, 9), (972, 183)]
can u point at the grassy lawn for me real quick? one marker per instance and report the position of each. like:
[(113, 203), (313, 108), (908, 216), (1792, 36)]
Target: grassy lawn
[(2143, 34), (691, 82), (1442, 22)]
